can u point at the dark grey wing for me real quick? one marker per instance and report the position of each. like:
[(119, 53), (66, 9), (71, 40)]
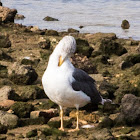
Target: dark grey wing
[(83, 82)]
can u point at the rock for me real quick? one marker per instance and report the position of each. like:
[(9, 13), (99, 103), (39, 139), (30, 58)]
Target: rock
[(133, 59), (103, 134), (110, 88), (34, 29), (4, 56), (7, 92), (44, 44), (97, 37), (3, 137), (3, 71), (130, 109), (50, 19), (22, 74), (109, 47), (7, 14), (31, 133), (84, 63), (9, 120), (6, 104), (29, 121), (22, 109), (4, 41), (19, 17), (97, 77), (53, 132), (105, 123), (125, 24), (123, 65), (45, 54), (31, 93), (81, 26), (136, 69), (127, 130), (83, 47), (47, 114), (71, 30), (55, 122), (51, 33), (3, 129), (30, 61)]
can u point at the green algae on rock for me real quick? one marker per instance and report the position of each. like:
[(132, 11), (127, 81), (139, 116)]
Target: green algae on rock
[(22, 109), (31, 133)]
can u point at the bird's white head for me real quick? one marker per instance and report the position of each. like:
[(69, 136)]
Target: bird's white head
[(66, 47)]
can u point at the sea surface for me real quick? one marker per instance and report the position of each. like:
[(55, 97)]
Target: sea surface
[(95, 15)]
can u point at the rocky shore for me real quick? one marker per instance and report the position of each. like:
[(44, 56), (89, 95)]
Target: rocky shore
[(25, 110)]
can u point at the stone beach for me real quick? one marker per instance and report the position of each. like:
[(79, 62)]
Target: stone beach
[(25, 110)]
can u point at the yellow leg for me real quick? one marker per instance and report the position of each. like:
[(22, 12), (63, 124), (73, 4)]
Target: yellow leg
[(77, 115), (61, 118)]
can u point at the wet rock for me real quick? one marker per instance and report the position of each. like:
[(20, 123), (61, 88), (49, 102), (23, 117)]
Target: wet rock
[(44, 44), (0, 3), (55, 122), (9, 120), (127, 130), (81, 26), (4, 41), (130, 110), (125, 24), (109, 47), (22, 109), (50, 19), (30, 61), (6, 104), (3, 71), (105, 123), (31, 133), (71, 30), (53, 132), (51, 33), (29, 121), (136, 69), (31, 93), (97, 37), (7, 92), (22, 74), (103, 134), (84, 63), (123, 65), (3, 129), (133, 59), (7, 14), (47, 114), (4, 56), (83, 47), (19, 17), (110, 88)]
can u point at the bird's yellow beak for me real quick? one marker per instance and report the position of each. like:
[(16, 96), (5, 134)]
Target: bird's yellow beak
[(60, 61)]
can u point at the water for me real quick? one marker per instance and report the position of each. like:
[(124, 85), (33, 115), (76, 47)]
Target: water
[(95, 15)]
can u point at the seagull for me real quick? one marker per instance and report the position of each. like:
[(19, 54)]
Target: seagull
[(66, 85)]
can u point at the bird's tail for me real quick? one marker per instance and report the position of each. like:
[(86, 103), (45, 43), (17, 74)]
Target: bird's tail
[(105, 100)]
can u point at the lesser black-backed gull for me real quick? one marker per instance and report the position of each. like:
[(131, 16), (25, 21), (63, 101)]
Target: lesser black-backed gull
[(66, 85)]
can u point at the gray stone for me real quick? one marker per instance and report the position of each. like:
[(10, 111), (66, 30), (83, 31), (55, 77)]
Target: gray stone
[(7, 14), (7, 92), (9, 120), (22, 74)]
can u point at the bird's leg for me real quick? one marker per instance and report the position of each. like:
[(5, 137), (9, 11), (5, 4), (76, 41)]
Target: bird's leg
[(77, 115), (61, 118)]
